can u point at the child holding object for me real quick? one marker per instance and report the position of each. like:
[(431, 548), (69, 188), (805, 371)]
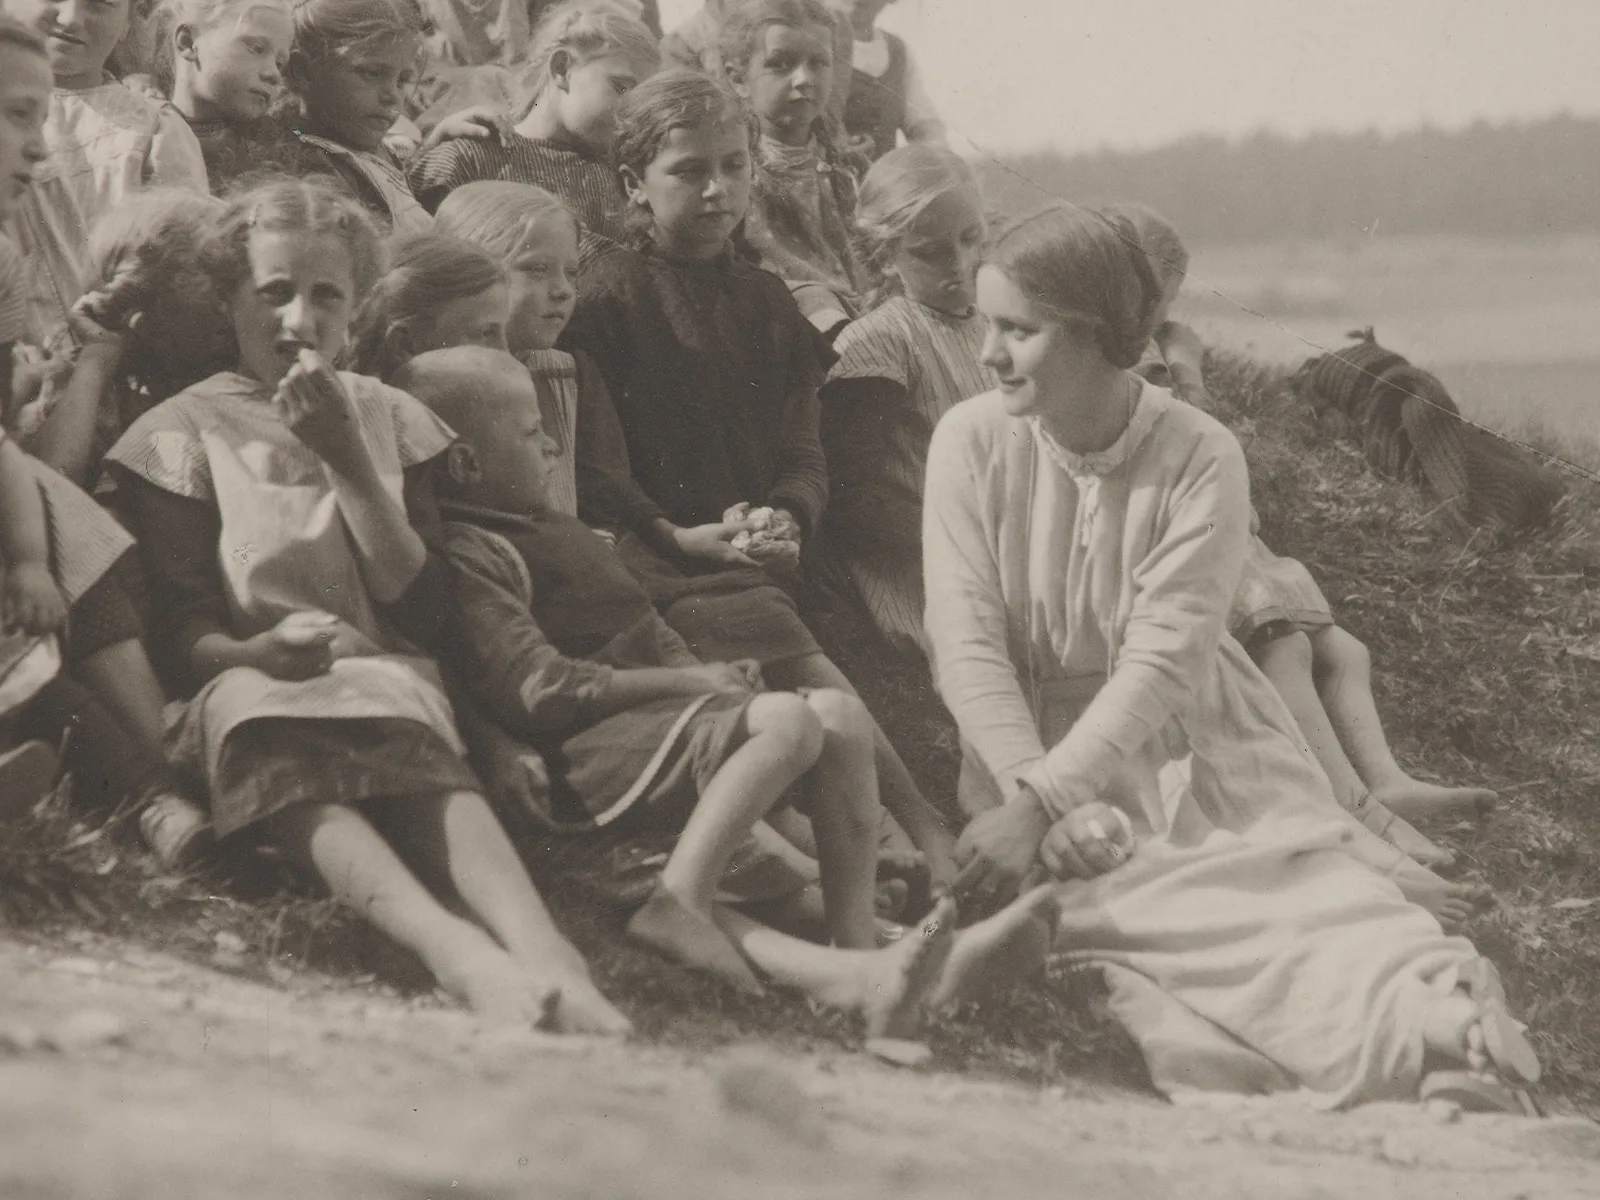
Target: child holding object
[(714, 373), (1321, 670), (565, 650), (314, 723)]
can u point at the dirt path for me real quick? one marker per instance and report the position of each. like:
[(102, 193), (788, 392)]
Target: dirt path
[(130, 1074)]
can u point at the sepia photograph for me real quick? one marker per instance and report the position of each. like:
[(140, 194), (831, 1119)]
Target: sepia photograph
[(706, 599)]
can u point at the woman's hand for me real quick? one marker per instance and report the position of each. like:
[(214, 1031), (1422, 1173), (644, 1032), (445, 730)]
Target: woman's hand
[(1088, 841), (998, 848), (483, 122), (713, 542), (319, 413), (31, 602)]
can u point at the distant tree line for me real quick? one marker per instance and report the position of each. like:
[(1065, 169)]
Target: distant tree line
[(1526, 178)]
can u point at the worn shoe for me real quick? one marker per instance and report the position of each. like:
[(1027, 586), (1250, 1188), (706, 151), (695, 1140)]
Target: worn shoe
[(177, 831)]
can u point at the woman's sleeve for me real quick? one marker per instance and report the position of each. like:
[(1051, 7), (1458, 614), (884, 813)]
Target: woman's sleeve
[(178, 542), (966, 613), (498, 650), (608, 495), (1182, 591), (864, 506)]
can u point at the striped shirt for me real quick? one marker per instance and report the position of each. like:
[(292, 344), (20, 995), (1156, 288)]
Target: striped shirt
[(591, 189), (934, 359), (13, 295)]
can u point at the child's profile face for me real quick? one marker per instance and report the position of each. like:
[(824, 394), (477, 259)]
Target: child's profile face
[(937, 259), (355, 98), (298, 294), (479, 320), (237, 63), (587, 95), (787, 80), (25, 83), (511, 447), (697, 188), (79, 34), (544, 273)]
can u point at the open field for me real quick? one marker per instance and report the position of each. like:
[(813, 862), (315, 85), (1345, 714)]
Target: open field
[(1511, 327)]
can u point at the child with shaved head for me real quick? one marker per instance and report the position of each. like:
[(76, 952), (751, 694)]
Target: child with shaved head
[(563, 647)]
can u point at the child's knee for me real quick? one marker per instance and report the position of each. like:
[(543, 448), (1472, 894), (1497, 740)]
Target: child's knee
[(1338, 650), (1282, 656), (841, 713), (787, 720)]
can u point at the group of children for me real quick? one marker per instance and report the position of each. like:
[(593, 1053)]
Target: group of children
[(472, 490)]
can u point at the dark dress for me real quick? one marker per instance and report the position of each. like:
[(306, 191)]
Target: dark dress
[(544, 614), (713, 374)]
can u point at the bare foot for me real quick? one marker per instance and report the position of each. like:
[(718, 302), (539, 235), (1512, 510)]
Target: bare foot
[(1418, 801), (495, 985), (581, 1008), (1400, 834), (1001, 950), (1452, 904), (890, 986), (666, 924)]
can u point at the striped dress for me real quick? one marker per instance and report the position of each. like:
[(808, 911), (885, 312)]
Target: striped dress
[(588, 187), (922, 363)]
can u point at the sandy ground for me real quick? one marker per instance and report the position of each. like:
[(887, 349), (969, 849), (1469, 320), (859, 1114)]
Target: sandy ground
[(126, 1073)]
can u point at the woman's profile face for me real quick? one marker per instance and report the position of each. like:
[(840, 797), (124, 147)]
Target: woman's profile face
[(1037, 357)]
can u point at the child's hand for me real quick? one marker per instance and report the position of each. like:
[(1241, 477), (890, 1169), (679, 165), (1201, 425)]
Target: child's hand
[(402, 139), (91, 325), (714, 542), (32, 602), (483, 122), (516, 777), (319, 413), (306, 644), (720, 679)]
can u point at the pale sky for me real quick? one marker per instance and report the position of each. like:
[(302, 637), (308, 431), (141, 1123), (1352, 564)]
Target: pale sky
[(1076, 74)]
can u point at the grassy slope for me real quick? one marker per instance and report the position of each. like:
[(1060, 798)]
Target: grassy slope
[(1488, 670)]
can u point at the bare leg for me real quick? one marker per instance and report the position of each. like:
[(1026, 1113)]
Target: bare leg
[(1343, 670), (841, 796), (1002, 950), (459, 836), (785, 739), (888, 987), (1287, 662), (1452, 904), (363, 872), (122, 677), (897, 790)]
